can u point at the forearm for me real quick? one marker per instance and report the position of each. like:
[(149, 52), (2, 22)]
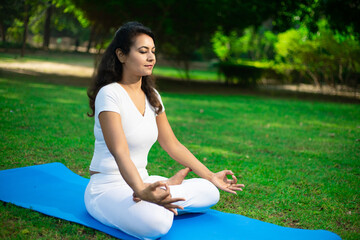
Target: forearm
[(130, 173), (183, 156)]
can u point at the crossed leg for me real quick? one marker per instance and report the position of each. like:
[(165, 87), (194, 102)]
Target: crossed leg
[(114, 205)]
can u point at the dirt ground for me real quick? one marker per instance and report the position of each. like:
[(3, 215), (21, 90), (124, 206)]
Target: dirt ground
[(48, 68)]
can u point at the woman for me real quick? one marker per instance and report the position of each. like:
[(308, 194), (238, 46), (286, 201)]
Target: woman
[(129, 118)]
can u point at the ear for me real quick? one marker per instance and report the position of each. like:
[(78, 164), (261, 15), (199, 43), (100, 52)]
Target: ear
[(120, 55)]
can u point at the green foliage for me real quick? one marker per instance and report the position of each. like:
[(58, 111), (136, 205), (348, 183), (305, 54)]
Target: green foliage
[(323, 57), (289, 40), (300, 55), (343, 16), (253, 44), (34, 11), (182, 34), (15, 32), (67, 20), (221, 45), (69, 7), (9, 10)]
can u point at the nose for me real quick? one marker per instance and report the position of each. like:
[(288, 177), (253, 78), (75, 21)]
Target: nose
[(151, 57)]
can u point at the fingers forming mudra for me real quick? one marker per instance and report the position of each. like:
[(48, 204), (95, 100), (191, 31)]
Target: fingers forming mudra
[(221, 180), (159, 193)]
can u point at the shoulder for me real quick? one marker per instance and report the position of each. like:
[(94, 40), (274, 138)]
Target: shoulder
[(108, 99), (110, 90)]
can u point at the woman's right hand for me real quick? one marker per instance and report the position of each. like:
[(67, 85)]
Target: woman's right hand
[(153, 192)]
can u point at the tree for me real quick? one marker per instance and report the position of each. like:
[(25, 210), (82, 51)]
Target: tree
[(21, 9), (343, 15), (49, 11), (324, 57), (9, 10), (250, 44), (27, 9), (179, 32)]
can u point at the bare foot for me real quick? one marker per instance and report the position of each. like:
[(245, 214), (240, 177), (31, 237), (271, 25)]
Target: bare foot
[(178, 177)]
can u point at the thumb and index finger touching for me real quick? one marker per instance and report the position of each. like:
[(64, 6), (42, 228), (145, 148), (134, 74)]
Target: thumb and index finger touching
[(165, 196)]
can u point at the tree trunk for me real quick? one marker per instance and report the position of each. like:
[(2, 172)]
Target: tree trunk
[(3, 32), (91, 38), (341, 74), (77, 44), (314, 78), (26, 25), (187, 69), (98, 55), (47, 28)]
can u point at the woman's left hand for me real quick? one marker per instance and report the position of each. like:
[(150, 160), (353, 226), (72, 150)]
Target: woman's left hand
[(221, 181)]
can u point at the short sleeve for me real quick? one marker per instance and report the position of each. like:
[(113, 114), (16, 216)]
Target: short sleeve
[(107, 100), (159, 97)]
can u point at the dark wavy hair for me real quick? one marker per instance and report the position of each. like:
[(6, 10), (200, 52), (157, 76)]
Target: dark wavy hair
[(110, 69)]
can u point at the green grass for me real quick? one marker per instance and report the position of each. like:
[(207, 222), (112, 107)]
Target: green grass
[(87, 60), (298, 159), (203, 75)]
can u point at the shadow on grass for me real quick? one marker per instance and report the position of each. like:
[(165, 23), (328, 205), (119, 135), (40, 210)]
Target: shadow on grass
[(178, 86)]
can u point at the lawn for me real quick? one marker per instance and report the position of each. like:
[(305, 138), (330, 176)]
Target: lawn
[(87, 60), (298, 159)]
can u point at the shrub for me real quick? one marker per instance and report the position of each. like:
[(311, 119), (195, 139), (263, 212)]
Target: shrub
[(324, 57), (239, 74)]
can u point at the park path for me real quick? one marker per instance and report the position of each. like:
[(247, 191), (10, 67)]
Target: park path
[(49, 68)]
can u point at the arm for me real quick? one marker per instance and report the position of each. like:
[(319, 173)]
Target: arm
[(182, 155), (116, 142), (177, 151)]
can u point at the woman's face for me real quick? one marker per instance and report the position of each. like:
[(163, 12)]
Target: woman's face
[(141, 59)]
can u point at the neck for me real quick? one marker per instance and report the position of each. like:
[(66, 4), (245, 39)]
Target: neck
[(132, 83)]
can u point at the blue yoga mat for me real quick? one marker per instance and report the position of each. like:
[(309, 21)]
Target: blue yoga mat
[(56, 191)]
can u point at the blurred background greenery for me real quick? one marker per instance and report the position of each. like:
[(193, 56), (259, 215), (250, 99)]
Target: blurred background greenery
[(245, 43)]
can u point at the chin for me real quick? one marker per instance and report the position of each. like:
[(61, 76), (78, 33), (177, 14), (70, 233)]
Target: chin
[(147, 73)]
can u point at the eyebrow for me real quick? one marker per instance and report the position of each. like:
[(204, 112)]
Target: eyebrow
[(146, 47)]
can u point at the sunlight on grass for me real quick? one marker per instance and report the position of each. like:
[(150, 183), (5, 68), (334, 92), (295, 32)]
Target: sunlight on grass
[(205, 150), (12, 96), (42, 86), (65, 101), (299, 160), (209, 75)]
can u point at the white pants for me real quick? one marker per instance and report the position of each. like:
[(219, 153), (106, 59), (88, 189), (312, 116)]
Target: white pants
[(109, 200)]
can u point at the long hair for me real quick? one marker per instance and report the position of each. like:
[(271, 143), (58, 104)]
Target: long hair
[(110, 69)]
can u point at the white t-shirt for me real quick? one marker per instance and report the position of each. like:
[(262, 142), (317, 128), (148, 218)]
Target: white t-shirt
[(141, 132)]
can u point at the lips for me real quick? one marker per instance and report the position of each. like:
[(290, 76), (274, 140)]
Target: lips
[(149, 66)]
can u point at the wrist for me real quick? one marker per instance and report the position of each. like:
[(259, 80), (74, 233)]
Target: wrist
[(139, 191), (210, 176)]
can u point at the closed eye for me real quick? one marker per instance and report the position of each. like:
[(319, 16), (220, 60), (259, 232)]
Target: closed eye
[(145, 49), (142, 52)]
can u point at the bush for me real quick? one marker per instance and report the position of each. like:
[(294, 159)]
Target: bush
[(14, 45), (239, 74), (324, 57), (253, 44)]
